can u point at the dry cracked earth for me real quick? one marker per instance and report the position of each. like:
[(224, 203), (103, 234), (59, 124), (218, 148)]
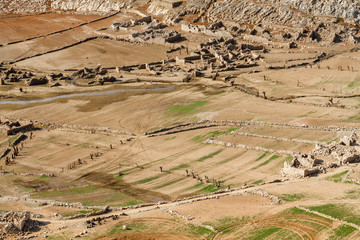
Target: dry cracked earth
[(197, 119)]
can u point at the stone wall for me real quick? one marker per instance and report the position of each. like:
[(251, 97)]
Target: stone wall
[(15, 130)]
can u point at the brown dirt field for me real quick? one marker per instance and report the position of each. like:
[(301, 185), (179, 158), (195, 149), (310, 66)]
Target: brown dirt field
[(15, 29), (227, 207), (108, 53)]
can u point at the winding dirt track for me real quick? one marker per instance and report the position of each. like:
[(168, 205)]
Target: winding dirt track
[(282, 222)]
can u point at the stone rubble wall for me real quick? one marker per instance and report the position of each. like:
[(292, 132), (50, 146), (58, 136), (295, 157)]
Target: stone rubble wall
[(347, 179), (5, 152), (87, 6), (103, 211), (91, 129), (260, 123), (328, 217), (19, 139), (184, 130), (15, 130), (271, 137), (177, 214), (202, 29), (274, 199), (83, 128), (228, 144)]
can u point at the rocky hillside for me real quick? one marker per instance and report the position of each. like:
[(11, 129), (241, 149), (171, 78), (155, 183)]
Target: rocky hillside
[(89, 6), (251, 11), (82, 6), (285, 11)]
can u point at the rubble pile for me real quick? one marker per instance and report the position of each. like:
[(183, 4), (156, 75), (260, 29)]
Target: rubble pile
[(302, 165), (217, 29), (345, 151), (99, 73), (148, 20), (153, 31), (227, 53), (9, 127), (8, 75), (156, 36), (15, 223)]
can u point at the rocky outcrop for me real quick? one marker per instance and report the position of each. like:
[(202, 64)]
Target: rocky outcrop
[(22, 128), (294, 12), (23, 6), (86, 215), (215, 30), (14, 221), (37, 81), (102, 6)]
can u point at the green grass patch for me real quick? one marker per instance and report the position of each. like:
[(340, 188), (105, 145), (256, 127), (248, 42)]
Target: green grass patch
[(292, 197), (354, 83), (43, 176), (337, 177), (67, 192), (205, 136), (199, 231), (342, 232), (262, 233), (340, 211), (208, 189), (211, 155), (351, 85), (273, 157), (329, 141), (11, 140), (261, 156), (146, 180), (130, 203), (194, 187), (297, 211), (213, 134), (182, 166), (355, 118), (169, 183), (225, 222), (229, 159), (133, 227), (353, 194), (232, 129), (83, 145), (288, 159), (80, 212), (186, 109), (257, 182)]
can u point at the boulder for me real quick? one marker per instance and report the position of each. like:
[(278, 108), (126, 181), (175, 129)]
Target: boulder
[(353, 40), (36, 81), (293, 45)]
